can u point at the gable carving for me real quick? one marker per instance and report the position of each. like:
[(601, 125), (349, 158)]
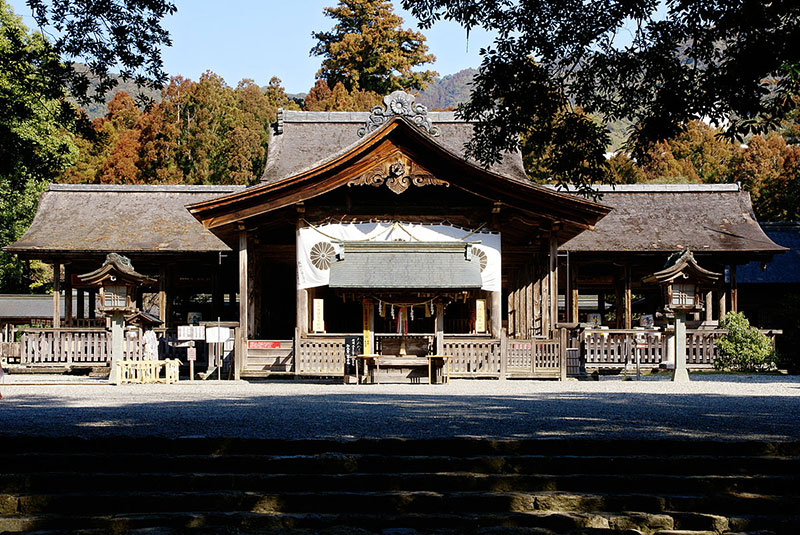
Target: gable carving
[(398, 174), (402, 104)]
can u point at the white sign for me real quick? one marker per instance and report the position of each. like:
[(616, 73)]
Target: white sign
[(217, 335), (191, 354), (191, 332)]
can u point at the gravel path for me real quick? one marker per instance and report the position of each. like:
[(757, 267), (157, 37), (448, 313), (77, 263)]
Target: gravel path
[(710, 407)]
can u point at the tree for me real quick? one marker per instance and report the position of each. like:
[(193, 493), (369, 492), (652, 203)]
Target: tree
[(113, 34), (697, 155), (658, 64), (368, 49), (35, 139), (322, 98)]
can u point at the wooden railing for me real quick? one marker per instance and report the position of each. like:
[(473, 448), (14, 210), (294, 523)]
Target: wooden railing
[(473, 357), (618, 347), (65, 347), (320, 355), (615, 348), (533, 356)]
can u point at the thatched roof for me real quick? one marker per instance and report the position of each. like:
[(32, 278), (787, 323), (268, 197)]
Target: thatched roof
[(666, 218), (121, 219), (303, 140)]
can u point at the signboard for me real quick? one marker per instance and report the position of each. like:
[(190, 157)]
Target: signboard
[(217, 335), (480, 315), (353, 345), (318, 316), (191, 353), (594, 318), (263, 344), (646, 321), (191, 332), (366, 309)]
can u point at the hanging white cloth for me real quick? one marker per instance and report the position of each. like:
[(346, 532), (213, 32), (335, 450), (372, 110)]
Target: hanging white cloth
[(317, 247)]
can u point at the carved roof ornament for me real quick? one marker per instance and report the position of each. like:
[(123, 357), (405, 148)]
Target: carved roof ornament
[(398, 177), (402, 104)]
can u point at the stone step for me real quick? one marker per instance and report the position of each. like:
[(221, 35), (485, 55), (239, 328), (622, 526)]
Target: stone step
[(401, 501), (243, 523), (376, 463), (721, 491), (620, 449)]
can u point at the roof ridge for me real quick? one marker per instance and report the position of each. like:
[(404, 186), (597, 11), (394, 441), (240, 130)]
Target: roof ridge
[(657, 188), (146, 188)]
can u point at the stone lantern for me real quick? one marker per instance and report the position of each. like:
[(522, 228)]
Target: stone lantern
[(679, 281), (117, 282)]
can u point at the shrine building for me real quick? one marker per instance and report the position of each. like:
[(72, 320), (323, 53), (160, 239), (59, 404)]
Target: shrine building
[(373, 226)]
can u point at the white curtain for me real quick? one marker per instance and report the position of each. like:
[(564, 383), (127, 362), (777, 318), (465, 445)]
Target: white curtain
[(316, 247)]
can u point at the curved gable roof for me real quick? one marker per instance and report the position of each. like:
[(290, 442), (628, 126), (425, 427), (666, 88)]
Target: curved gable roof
[(304, 139), (336, 170)]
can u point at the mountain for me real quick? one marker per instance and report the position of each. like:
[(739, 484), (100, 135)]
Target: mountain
[(97, 109), (447, 91)]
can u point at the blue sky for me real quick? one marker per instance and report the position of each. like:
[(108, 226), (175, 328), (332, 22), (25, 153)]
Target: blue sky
[(259, 39)]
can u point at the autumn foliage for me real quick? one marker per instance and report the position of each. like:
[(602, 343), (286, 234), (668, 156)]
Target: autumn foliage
[(203, 132)]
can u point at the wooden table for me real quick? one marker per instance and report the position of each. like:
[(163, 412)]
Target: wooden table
[(445, 367), (375, 359)]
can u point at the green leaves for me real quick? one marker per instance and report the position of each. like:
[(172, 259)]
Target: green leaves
[(743, 348), (658, 65), (369, 50)]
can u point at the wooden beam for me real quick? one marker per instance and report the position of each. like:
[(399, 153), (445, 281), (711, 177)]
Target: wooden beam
[(67, 296), (162, 294), (553, 261), (709, 304), (81, 304), (734, 290), (241, 356), (56, 295), (628, 315)]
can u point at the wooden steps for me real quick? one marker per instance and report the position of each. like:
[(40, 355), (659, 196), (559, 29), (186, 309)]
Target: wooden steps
[(370, 486)]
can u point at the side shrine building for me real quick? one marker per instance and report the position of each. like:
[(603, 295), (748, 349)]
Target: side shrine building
[(370, 235)]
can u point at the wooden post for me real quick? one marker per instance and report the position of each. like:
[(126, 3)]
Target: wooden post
[(504, 355), (67, 296), (628, 316), (709, 306), (723, 302), (562, 354), (92, 304), (572, 309), (162, 295), (439, 326), (496, 313), (553, 283), (81, 304), (243, 305), (56, 295), (734, 290)]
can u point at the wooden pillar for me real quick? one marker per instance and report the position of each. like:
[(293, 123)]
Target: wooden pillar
[(496, 311), (709, 304), (92, 303), (162, 295), (67, 296), (626, 296), (723, 303), (553, 283), (572, 295), (734, 290), (243, 305), (81, 313), (56, 295), (439, 327)]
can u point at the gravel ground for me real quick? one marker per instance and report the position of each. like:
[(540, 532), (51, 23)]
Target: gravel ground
[(716, 407)]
